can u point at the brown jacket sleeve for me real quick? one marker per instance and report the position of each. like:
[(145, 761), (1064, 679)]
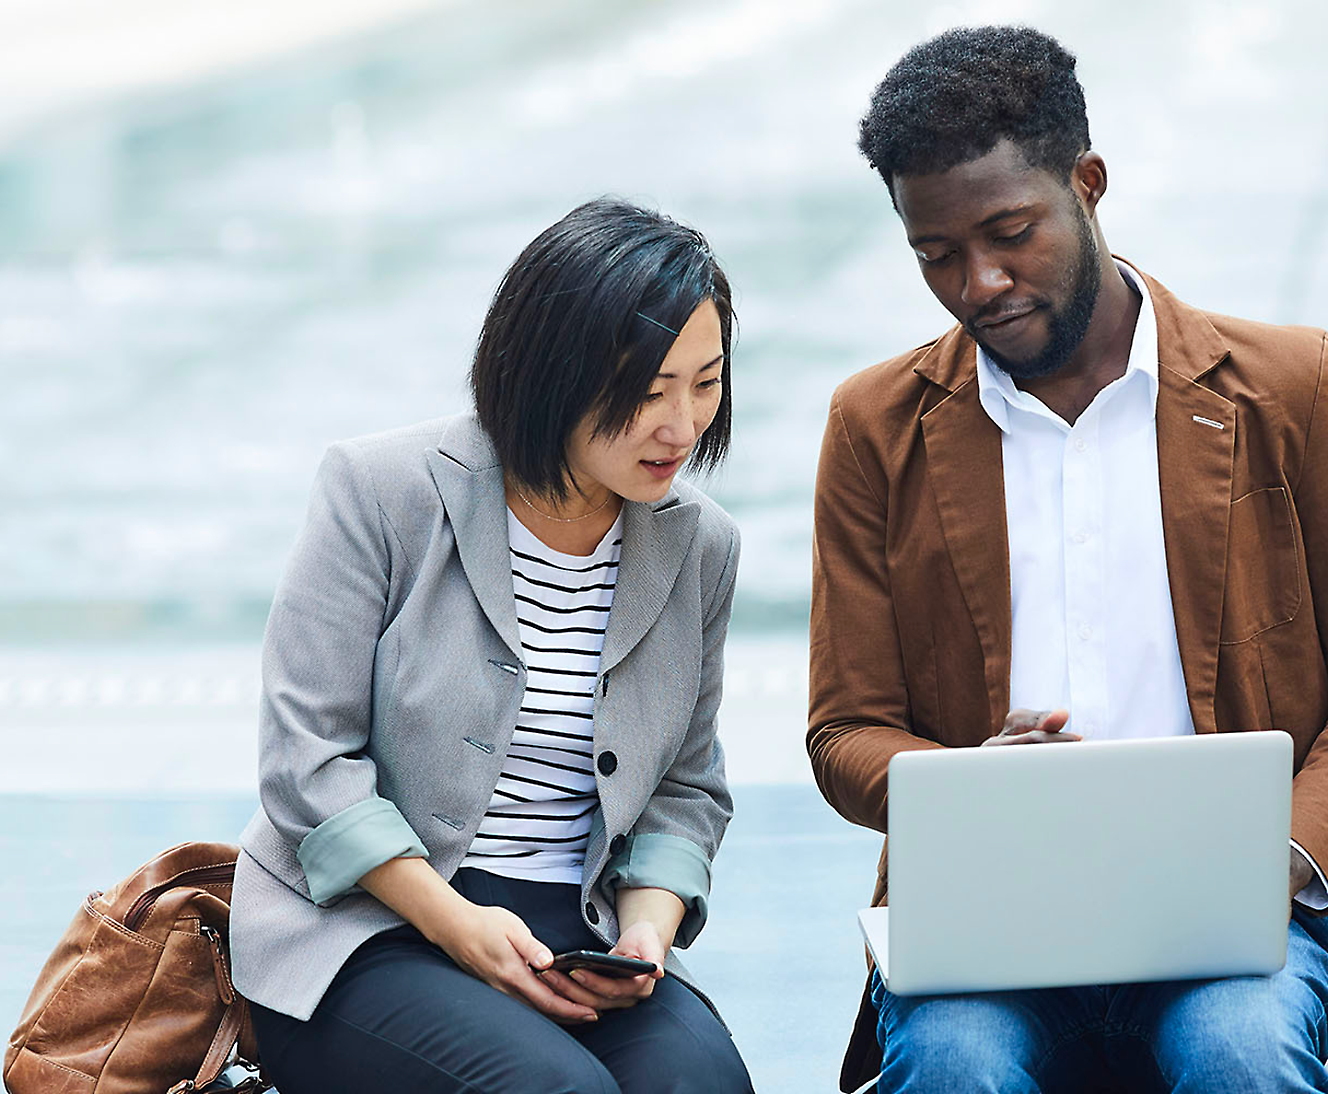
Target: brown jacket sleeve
[(1309, 790), (859, 710)]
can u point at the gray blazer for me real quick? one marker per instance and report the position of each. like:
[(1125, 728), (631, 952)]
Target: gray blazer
[(392, 676)]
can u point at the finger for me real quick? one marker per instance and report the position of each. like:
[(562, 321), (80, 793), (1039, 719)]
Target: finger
[(1003, 738), (532, 950), (637, 988), (1032, 737), (544, 999), (571, 989), (626, 993), (1021, 718), (612, 987), (641, 954), (1038, 737)]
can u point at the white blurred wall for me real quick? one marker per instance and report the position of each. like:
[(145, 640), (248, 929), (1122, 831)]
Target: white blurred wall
[(58, 55)]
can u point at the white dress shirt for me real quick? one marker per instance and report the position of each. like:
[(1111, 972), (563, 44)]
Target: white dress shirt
[(1093, 629)]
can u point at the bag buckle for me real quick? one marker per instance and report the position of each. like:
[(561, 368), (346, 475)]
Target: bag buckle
[(252, 1077), (241, 1077)]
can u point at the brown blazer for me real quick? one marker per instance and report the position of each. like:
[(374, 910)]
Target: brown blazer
[(910, 620)]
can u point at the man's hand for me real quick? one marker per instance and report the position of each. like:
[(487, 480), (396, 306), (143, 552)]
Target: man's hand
[(1033, 727), (1302, 873)]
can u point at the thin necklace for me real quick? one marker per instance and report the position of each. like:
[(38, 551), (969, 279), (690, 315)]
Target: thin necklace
[(564, 520)]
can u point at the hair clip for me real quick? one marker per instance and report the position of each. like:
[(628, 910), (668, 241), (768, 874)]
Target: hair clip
[(658, 324)]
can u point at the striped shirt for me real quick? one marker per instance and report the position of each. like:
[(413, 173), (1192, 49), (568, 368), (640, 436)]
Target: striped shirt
[(538, 819)]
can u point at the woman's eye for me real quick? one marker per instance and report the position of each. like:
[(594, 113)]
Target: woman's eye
[(704, 384), (652, 396)]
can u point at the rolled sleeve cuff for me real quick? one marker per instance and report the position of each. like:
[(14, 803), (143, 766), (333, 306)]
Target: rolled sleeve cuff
[(345, 847), (1315, 895), (653, 860)]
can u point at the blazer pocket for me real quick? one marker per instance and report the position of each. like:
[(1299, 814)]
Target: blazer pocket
[(1263, 565)]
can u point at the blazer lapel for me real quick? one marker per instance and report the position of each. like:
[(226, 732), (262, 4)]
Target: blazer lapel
[(1196, 441), (655, 541), (470, 482), (964, 468)]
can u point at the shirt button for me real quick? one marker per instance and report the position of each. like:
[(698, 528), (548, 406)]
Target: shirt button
[(1081, 538), (592, 913), (1085, 632), (617, 844), (1080, 445), (608, 763)]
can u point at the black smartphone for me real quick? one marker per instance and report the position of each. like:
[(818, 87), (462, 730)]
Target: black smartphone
[(605, 964)]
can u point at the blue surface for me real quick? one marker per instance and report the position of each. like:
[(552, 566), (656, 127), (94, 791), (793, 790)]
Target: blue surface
[(781, 955)]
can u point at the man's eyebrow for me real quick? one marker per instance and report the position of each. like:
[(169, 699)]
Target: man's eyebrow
[(703, 368), (986, 222), (1017, 210)]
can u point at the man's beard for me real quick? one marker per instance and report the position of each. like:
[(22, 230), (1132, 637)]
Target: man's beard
[(1065, 328)]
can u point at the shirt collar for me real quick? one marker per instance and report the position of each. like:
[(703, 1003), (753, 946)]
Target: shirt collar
[(997, 392)]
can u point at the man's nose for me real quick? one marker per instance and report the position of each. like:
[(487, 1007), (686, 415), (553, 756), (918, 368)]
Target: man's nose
[(984, 281)]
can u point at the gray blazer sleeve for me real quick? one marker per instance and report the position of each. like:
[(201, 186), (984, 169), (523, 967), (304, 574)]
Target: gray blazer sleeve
[(678, 833), (317, 784)]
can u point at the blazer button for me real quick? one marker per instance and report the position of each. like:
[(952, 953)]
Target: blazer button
[(608, 763), (592, 913), (617, 844)]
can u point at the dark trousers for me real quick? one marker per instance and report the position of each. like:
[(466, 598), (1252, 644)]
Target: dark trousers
[(402, 1017)]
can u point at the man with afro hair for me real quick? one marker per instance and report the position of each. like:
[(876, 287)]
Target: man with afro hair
[(1088, 510)]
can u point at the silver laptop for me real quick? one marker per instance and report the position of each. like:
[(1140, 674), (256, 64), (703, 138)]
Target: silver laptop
[(1095, 862)]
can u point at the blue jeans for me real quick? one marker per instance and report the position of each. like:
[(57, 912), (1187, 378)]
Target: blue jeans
[(1238, 1035)]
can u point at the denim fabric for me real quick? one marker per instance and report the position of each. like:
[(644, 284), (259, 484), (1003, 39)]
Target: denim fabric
[(1238, 1035)]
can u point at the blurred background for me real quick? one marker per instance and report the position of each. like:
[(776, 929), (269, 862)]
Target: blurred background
[(233, 233)]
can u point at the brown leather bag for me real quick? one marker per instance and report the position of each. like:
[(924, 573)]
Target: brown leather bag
[(137, 997)]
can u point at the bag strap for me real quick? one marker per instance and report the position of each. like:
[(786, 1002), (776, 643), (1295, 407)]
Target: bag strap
[(228, 1033), (214, 1063), (236, 1029), (248, 1043)]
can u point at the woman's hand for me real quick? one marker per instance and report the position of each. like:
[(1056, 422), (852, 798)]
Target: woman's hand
[(496, 946), (492, 944), (592, 989), (648, 920)]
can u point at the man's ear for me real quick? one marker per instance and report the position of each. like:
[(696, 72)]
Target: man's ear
[(1088, 179)]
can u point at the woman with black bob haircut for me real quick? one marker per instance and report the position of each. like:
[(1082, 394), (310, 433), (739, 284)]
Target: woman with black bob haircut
[(490, 681), (578, 330)]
